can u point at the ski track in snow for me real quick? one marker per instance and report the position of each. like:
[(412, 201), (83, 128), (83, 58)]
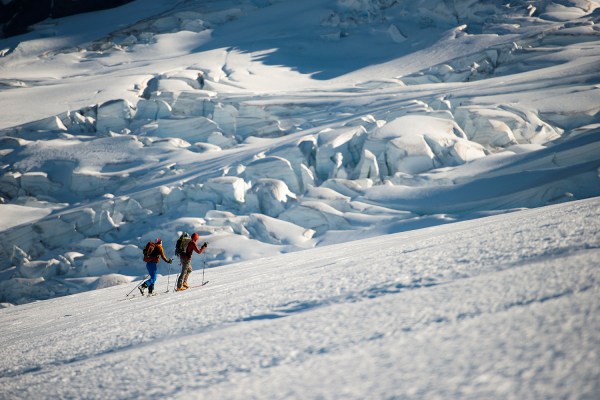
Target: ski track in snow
[(499, 307)]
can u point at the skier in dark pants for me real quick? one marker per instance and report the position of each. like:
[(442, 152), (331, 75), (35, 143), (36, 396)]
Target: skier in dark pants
[(186, 261), (152, 261)]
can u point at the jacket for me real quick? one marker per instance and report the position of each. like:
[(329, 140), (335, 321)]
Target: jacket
[(190, 249), (157, 254)]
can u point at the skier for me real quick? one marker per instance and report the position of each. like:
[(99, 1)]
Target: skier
[(152, 258), (186, 261)]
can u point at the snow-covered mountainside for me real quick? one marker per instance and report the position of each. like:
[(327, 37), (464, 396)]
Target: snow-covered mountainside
[(502, 307), (274, 126)]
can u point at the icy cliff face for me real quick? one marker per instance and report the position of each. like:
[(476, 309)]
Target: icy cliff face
[(273, 126)]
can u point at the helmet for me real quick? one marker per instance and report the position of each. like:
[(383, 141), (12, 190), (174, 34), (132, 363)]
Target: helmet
[(158, 241)]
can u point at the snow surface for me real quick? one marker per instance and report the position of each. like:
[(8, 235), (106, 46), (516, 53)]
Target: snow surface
[(401, 200), (276, 126), (502, 307), (13, 215)]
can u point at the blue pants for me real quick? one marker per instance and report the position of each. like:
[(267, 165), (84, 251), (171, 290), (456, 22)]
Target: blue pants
[(152, 267)]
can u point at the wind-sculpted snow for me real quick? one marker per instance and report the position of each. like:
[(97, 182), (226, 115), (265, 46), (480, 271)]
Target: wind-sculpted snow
[(274, 127), (499, 307)]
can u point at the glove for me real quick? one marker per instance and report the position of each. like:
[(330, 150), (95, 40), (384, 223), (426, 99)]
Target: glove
[(170, 260), (205, 245)]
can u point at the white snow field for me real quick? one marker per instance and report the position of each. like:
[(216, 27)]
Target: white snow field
[(273, 126), (401, 200), (503, 307)]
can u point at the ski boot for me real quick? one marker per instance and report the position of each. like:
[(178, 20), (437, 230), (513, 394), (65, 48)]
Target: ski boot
[(142, 287)]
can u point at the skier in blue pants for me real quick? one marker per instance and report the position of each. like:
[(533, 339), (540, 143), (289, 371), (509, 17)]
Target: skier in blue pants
[(152, 258)]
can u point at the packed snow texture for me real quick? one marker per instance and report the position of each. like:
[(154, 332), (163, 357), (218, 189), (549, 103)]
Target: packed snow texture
[(271, 127), (502, 307)]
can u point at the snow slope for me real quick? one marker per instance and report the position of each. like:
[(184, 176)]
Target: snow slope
[(272, 127), (502, 307)]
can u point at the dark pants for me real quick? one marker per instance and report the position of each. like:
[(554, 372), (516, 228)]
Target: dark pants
[(186, 270)]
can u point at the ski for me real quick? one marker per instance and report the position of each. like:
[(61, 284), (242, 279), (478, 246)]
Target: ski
[(139, 296), (192, 287), (196, 286)]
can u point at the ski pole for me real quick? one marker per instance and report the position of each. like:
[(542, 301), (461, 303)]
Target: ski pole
[(140, 284), (204, 267)]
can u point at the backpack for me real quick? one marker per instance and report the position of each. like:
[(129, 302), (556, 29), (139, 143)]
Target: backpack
[(182, 243), (149, 249)]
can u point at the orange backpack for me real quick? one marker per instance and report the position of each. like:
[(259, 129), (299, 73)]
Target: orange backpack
[(149, 249)]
